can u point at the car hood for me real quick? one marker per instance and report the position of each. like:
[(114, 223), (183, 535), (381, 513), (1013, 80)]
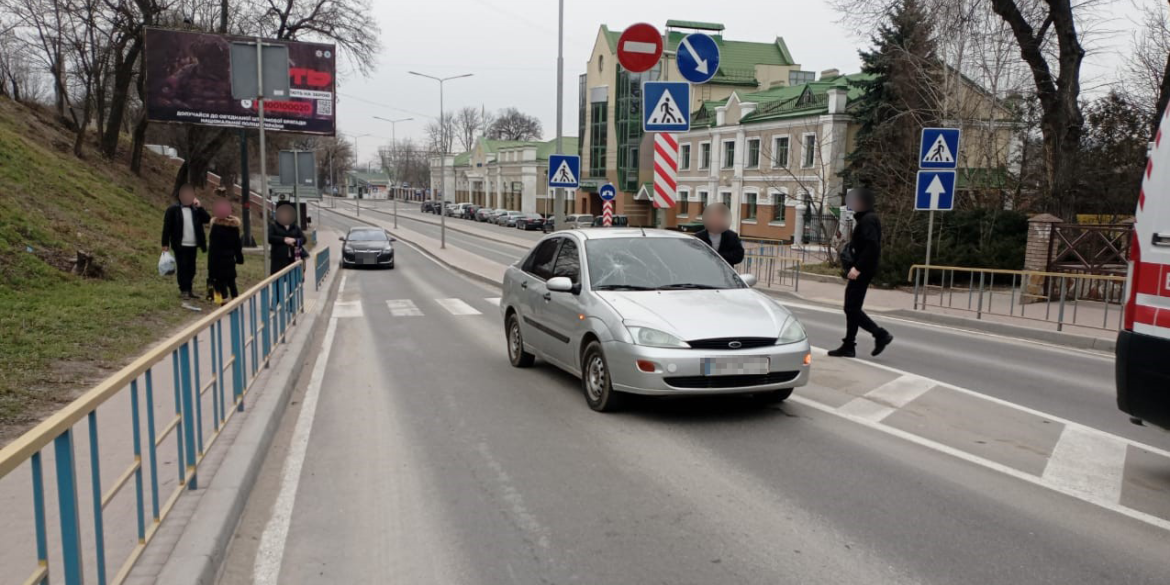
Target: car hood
[(701, 314)]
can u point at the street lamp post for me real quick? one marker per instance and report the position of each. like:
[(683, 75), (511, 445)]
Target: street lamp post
[(393, 145), (443, 146), (357, 199)]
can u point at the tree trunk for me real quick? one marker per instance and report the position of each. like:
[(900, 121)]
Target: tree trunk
[(203, 145), (79, 139), (123, 77)]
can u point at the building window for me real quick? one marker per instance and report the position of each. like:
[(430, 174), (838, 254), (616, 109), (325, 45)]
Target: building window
[(728, 154), (779, 199), (703, 196), (684, 157), (752, 205), (598, 138), (753, 153), (725, 197), (705, 155), (801, 77), (600, 63), (780, 152), (808, 151), (684, 198)]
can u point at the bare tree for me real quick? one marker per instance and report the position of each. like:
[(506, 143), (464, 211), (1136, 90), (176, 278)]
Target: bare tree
[(441, 134), (469, 124), (1147, 83), (512, 124)]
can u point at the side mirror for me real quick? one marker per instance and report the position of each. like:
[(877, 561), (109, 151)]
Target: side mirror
[(393, 239), (342, 238), (560, 284), (748, 279)]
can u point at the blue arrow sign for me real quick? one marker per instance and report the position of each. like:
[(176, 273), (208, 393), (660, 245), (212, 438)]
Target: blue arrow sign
[(607, 192), (666, 106), (936, 191), (940, 148), (564, 171), (698, 58)]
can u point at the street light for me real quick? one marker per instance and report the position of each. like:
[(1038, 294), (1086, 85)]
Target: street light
[(443, 145), (357, 199), (393, 145)]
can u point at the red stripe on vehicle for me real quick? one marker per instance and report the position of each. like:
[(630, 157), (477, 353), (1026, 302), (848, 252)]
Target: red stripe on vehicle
[(1145, 315), (1162, 319), (1149, 278), (1158, 138), (1150, 167), (1142, 200)]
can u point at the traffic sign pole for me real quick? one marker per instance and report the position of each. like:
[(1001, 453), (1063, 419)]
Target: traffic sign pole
[(929, 242)]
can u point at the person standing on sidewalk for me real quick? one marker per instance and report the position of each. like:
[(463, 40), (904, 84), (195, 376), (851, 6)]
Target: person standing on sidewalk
[(866, 248), (183, 235), (718, 234), (225, 250), (285, 237)]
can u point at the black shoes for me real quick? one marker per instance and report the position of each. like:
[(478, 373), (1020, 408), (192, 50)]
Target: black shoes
[(881, 343), (847, 350)]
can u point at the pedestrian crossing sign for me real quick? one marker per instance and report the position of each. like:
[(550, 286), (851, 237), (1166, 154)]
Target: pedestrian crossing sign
[(940, 148), (564, 171), (666, 106)]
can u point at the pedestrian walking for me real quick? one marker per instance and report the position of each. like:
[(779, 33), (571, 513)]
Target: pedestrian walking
[(285, 237), (225, 250), (183, 235), (718, 234), (865, 250)]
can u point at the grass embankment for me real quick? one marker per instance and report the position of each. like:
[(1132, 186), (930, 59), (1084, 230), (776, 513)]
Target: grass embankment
[(60, 333)]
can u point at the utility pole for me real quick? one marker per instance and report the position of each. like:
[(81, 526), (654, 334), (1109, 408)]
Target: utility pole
[(394, 150), (263, 146), (558, 195), (443, 148)]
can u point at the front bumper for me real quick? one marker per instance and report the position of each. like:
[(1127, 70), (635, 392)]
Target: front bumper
[(679, 372), (368, 258)]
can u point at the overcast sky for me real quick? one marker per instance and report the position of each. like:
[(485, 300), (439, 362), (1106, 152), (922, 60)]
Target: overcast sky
[(511, 48)]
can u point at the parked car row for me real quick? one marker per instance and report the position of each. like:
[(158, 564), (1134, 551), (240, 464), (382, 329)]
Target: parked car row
[(519, 220)]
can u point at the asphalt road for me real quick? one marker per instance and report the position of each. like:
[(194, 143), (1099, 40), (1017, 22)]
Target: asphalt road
[(428, 459), (1073, 384)]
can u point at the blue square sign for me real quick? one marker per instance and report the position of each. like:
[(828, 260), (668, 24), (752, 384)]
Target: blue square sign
[(940, 148), (666, 106), (936, 191), (564, 171)]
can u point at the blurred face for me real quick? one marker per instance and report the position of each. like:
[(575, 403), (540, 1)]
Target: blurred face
[(222, 209), (285, 215), (186, 195), (855, 201), (715, 219)]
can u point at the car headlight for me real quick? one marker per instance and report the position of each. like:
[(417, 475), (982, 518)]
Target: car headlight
[(654, 338), (387, 249), (349, 250), (791, 332)]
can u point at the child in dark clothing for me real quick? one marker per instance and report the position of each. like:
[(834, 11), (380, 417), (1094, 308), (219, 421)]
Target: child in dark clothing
[(225, 250)]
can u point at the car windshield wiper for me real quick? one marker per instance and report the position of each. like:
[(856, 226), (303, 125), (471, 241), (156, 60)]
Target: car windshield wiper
[(622, 287), (687, 286)]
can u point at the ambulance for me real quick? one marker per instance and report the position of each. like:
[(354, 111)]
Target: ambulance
[(1143, 346)]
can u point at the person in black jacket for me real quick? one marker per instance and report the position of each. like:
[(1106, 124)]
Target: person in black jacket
[(225, 249), (285, 237), (183, 236), (717, 233), (866, 246)]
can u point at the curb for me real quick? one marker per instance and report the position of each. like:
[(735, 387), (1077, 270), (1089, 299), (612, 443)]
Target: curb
[(421, 250), (202, 548)]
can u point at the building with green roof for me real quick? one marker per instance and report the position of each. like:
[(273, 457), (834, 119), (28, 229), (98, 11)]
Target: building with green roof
[(610, 113), (507, 174)]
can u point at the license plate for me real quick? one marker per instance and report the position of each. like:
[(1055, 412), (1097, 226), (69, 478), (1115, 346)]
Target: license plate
[(369, 259), (738, 366)]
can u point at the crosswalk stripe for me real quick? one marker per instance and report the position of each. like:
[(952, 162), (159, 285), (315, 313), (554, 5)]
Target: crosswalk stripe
[(350, 309), (403, 308), (457, 307), (493, 300)]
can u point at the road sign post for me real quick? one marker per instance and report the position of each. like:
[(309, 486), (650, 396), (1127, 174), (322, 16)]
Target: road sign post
[(665, 170), (607, 192), (938, 157)]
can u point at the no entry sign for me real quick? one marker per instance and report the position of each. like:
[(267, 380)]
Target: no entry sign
[(639, 47)]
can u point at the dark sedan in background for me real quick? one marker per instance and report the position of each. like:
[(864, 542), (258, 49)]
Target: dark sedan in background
[(367, 247), (530, 221)]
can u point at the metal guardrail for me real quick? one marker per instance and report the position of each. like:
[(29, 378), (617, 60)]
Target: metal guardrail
[(323, 264), (772, 271), (257, 322), (1019, 290)]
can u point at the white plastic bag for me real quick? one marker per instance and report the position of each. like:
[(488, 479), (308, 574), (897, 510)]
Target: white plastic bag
[(166, 264)]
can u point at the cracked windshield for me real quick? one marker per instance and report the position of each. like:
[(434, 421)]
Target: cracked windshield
[(601, 292)]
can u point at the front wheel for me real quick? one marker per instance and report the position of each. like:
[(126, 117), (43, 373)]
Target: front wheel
[(516, 353), (596, 381)]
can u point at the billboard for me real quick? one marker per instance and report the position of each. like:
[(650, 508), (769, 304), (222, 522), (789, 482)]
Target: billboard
[(189, 81)]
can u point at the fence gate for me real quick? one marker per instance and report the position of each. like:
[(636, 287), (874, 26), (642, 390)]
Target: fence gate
[(1089, 249)]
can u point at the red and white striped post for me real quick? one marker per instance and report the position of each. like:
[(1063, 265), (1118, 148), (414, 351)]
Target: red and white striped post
[(665, 170)]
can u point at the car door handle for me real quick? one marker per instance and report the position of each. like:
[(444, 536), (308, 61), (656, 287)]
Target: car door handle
[(548, 296), (1162, 239), (524, 284)]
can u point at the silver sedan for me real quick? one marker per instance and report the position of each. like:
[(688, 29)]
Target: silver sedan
[(652, 312)]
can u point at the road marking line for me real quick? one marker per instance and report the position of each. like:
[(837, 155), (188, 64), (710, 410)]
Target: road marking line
[(348, 309), (1088, 464), (494, 300), (403, 308), (886, 399), (457, 307), (344, 279), (270, 554), (968, 457)]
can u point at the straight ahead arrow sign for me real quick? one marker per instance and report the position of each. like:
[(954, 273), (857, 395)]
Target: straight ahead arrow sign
[(936, 190)]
